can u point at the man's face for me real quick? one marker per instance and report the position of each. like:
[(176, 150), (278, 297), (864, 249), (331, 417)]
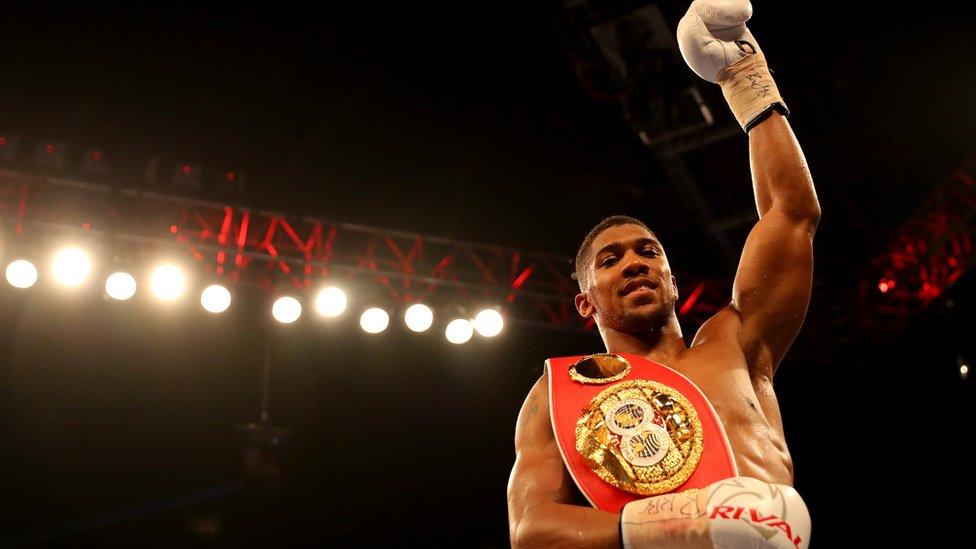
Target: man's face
[(629, 286)]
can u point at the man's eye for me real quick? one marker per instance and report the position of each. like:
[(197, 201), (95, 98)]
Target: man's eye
[(607, 260), (650, 251)]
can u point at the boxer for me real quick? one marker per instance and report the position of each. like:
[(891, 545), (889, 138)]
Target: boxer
[(628, 435)]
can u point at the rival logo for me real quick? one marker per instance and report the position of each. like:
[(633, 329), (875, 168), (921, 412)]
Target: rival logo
[(772, 521)]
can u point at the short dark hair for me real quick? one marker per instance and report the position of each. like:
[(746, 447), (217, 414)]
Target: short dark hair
[(584, 255)]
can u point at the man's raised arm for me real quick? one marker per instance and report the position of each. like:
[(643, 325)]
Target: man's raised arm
[(773, 283), (772, 286)]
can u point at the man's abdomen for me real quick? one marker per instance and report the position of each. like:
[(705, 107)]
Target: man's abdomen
[(761, 453)]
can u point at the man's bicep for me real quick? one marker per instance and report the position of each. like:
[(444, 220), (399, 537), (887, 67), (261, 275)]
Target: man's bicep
[(772, 286), (538, 476)]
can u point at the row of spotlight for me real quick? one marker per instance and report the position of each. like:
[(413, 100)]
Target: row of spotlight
[(71, 267)]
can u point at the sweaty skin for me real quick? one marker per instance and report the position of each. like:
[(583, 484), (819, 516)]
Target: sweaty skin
[(732, 358)]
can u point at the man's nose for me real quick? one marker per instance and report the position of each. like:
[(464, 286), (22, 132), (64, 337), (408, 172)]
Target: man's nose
[(634, 266)]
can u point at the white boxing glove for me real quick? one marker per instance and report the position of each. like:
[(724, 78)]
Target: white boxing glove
[(717, 45), (733, 513)]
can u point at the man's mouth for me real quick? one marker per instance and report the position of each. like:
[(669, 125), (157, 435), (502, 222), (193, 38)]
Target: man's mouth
[(638, 285)]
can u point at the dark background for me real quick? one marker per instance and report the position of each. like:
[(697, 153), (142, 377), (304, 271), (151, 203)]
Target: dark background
[(466, 121)]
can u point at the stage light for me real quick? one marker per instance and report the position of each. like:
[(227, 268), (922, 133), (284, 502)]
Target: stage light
[(418, 317), (215, 298), (21, 274), (8, 147), (186, 175), (70, 267), (330, 302), (885, 285), (93, 161), (120, 286), (286, 310), (50, 155), (167, 282), (489, 323), (374, 320), (459, 331), (231, 181), (963, 368)]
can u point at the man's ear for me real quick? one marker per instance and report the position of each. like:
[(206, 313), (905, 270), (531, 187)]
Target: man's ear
[(674, 284), (583, 305)]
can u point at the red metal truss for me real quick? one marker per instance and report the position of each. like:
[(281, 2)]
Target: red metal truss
[(928, 253), (272, 250)]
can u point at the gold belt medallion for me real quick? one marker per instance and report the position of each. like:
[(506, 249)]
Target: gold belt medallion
[(641, 436)]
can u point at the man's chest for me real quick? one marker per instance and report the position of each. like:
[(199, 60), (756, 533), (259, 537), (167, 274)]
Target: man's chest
[(720, 369)]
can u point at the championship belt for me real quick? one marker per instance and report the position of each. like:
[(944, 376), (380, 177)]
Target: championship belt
[(630, 428)]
